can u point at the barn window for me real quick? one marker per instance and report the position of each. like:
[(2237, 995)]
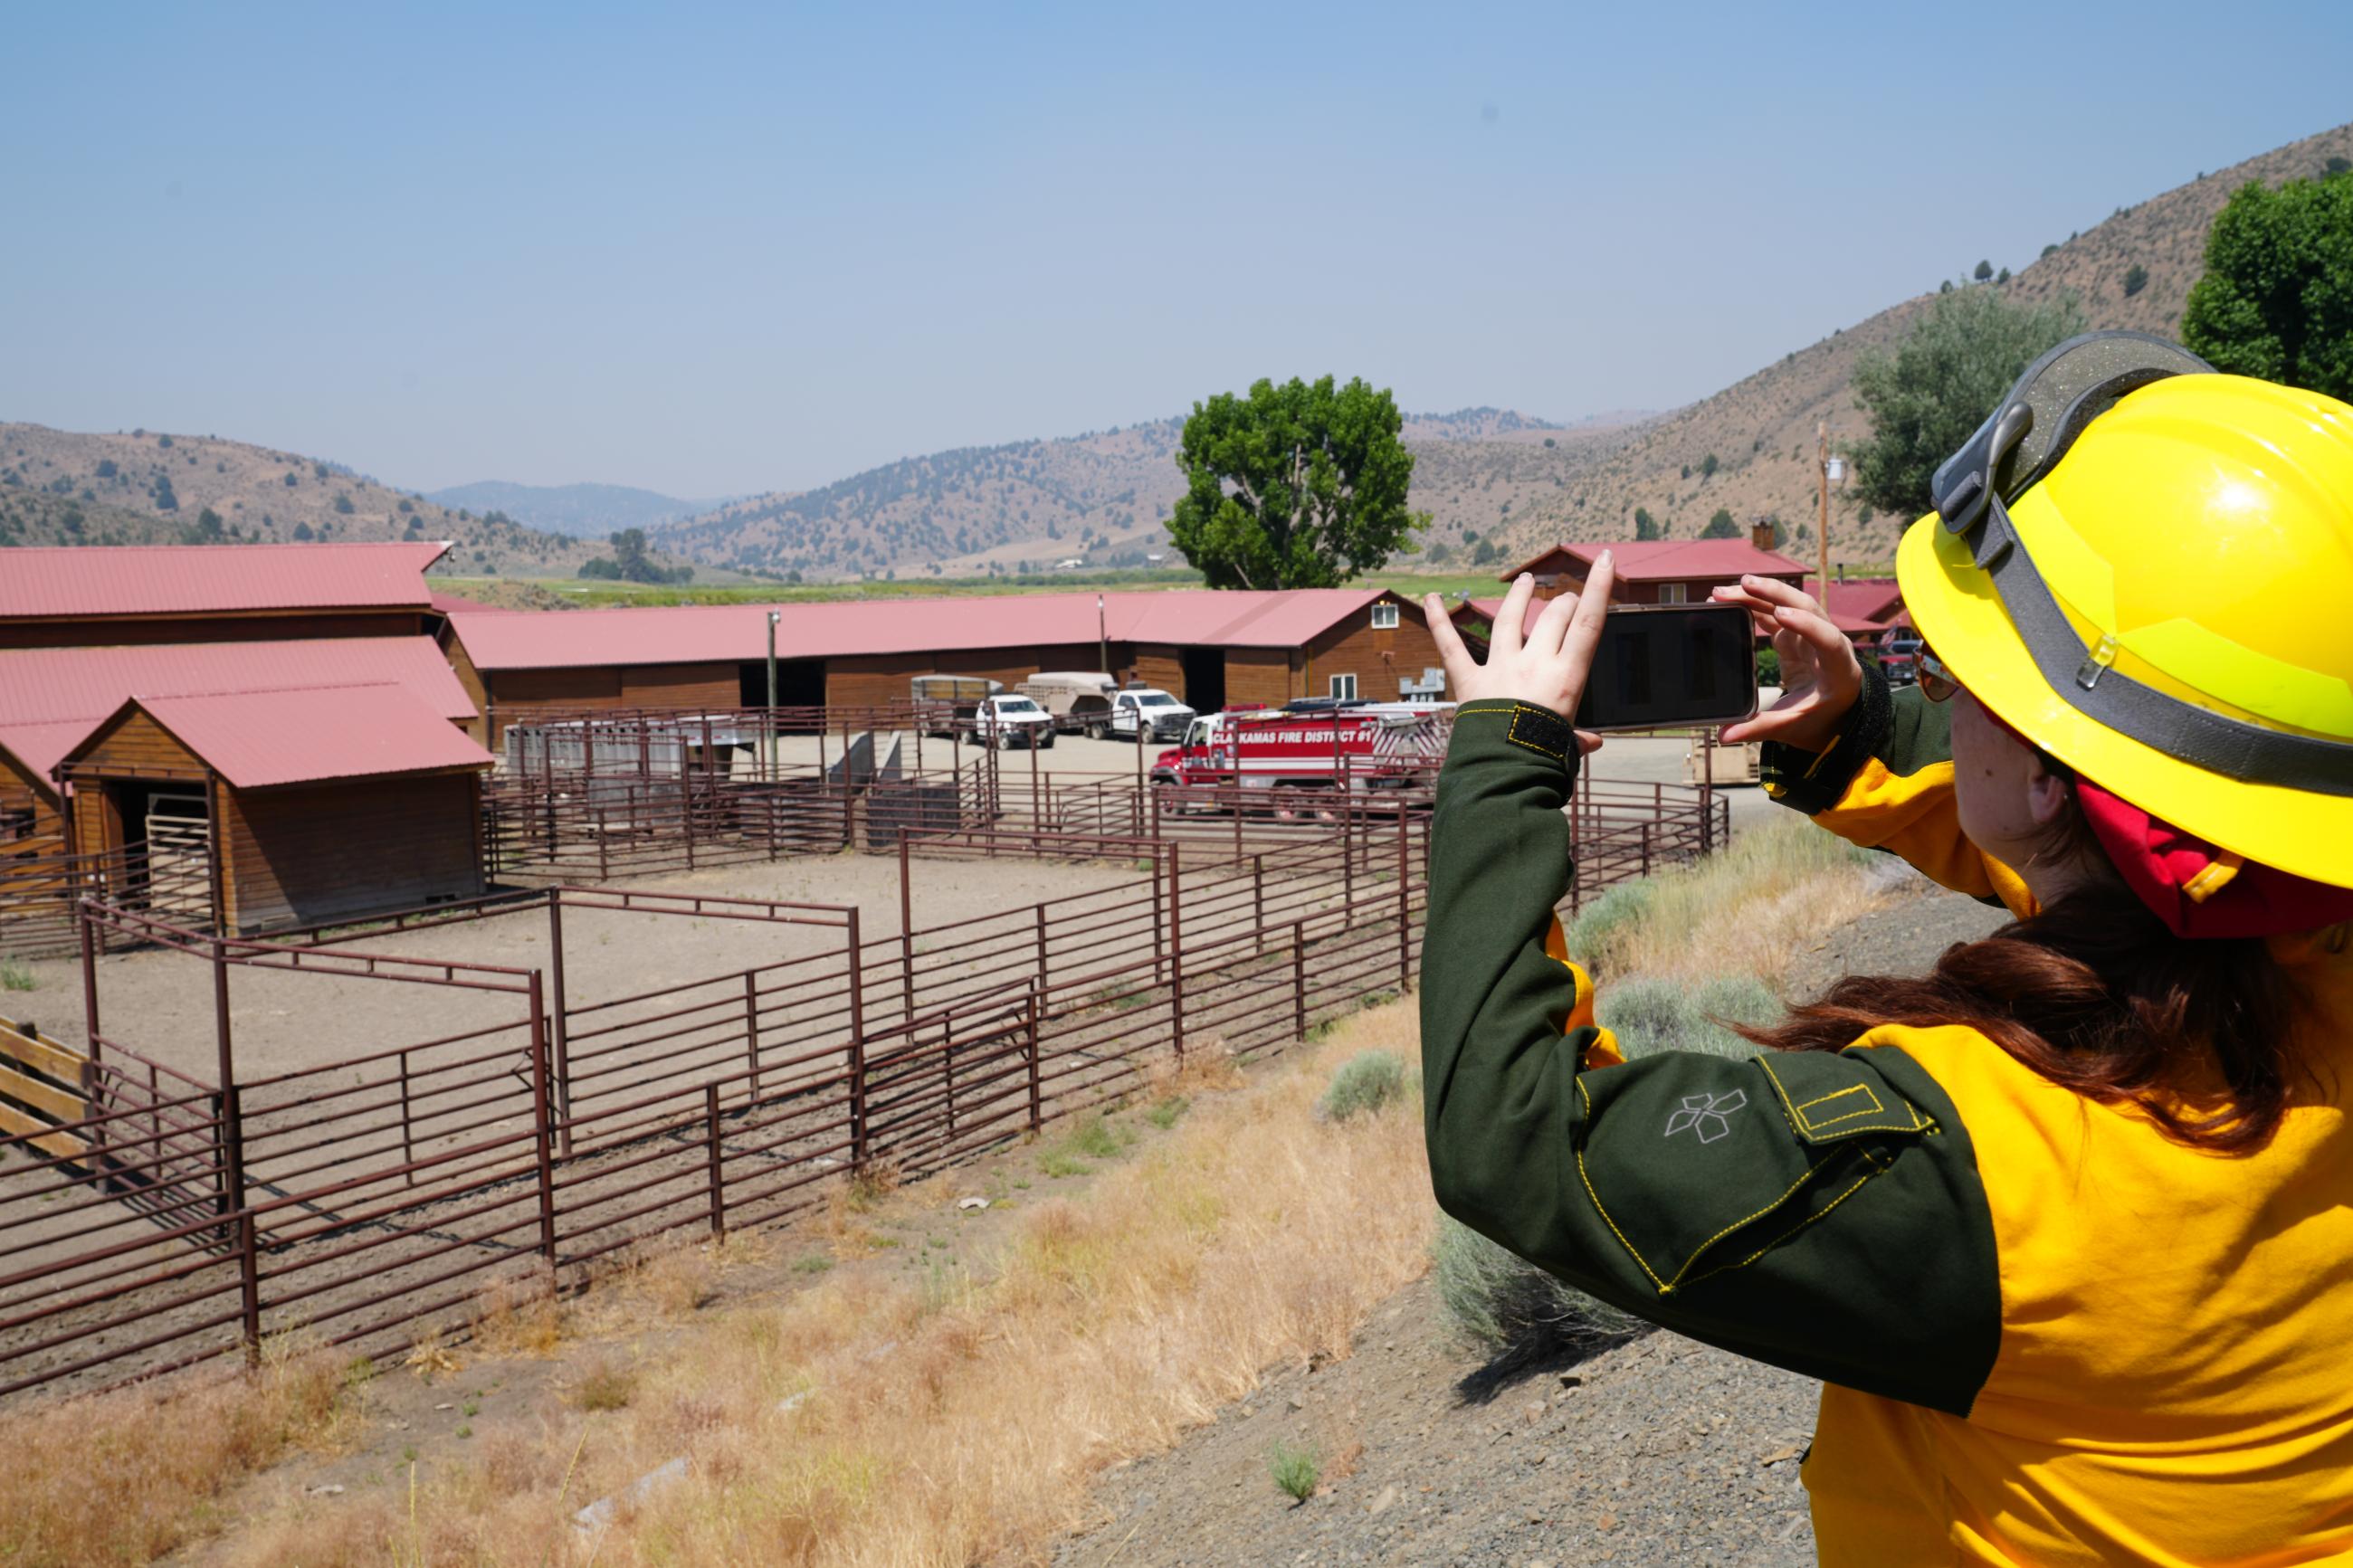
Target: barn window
[(1671, 592), (1384, 618), (1344, 687)]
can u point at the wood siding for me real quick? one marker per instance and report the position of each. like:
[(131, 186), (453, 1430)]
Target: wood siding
[(335, 851), (1379, 661), (133, 745), (21, 791), (1160, 665), (145, 631), (1265, 675), (514, 696), (461, 664), (872, 679)]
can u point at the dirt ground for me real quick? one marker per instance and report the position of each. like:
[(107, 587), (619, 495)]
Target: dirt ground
[(161, 1003)]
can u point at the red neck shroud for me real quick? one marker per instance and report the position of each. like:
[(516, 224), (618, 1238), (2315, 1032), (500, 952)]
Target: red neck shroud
[(2197, 889)]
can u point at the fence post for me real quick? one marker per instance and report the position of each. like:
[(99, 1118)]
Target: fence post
[(686, 801), (751, 1027), (1040, 909), (540, 1115), (1299, 979), (88, 977), (408, 1124), (1258, 900), (1405, 912), (248, 1269), (1348, 863), (1159, 939), (560, 1029), (711, 1146), (1646, 844), (1037, 1099), (947, 1063), (857, 1050), (907, 933), (1175, 950)]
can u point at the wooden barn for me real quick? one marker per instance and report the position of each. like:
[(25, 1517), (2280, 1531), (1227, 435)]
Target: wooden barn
[(1209, 647), (51, 698), (102, 596), (261, 810)]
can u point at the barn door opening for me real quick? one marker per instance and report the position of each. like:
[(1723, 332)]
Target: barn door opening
[(800, 683), (167, 844), (1205, 677)]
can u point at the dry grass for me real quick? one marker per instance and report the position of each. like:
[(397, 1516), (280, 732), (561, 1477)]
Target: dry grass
[(1733, 914), (127, 1478), (956, 1419)]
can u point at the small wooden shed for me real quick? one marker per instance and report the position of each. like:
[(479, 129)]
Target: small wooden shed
[(271, 809)]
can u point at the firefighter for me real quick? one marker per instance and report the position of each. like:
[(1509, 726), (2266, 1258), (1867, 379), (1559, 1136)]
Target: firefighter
[(2064, 1228)]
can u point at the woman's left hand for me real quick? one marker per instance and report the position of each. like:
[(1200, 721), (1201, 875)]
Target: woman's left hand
[(1549, 666)]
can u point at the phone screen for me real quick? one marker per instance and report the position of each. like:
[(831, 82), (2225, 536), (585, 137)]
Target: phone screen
[(1670, 664)]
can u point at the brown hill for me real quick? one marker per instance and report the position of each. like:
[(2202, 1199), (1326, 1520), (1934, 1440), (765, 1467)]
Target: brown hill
[(1104, 497), (1761, 429), (57, 486)]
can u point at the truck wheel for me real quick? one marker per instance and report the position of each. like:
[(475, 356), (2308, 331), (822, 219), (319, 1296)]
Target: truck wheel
[(1049, 742)]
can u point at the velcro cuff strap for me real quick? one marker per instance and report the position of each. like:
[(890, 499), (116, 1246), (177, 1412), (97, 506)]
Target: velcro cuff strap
[(1813, 783)]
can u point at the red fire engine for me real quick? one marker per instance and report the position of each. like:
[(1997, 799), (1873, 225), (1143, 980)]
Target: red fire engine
[(1369, 745)]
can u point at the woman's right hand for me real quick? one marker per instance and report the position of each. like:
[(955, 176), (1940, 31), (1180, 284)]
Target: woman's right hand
[(1821, 676)]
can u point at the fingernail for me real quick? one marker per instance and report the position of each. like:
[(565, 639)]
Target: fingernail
[(1528, 577), (1609, 558)]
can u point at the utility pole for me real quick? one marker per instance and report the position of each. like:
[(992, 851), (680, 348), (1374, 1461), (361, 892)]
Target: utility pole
[(770, 725), (1103, 635), (1822, 517)]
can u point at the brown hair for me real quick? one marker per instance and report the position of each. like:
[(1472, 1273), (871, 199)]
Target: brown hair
[(2098, 995)]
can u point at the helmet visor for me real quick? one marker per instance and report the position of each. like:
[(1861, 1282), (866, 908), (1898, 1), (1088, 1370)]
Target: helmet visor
[(2032, 426)]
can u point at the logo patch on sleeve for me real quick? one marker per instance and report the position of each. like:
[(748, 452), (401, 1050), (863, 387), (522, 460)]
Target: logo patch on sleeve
[(1708, 1116)]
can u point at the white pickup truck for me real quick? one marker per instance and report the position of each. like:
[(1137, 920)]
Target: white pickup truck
[(1012, 720), (1146, 714)]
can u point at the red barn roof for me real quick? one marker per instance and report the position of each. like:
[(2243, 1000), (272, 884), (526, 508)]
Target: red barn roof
[(58, 582), (690, 634), (1875, 602), (90, 682), (256, 739), (1672, 560), (52, 697)]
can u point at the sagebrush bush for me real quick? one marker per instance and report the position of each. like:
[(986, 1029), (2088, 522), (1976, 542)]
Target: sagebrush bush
[(1650, 1014), (1615, 913), (1512, 1308), (1363, 1083)]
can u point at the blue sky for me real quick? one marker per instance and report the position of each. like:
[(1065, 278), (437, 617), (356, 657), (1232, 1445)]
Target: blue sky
[(718, 249)]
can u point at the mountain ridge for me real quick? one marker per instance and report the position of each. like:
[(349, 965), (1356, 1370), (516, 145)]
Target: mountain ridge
[(583, 510)]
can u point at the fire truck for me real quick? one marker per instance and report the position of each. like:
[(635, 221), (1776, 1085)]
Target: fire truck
[(1316, 744)]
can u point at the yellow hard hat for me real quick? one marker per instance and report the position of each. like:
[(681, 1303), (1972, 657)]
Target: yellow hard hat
[(2146, 568)]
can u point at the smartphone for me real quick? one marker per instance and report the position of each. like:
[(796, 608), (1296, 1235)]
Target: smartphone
[(1671, 665)]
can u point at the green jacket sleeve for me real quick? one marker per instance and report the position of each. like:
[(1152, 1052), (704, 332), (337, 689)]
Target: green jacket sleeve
[(1886, 782), (1821, 1212)]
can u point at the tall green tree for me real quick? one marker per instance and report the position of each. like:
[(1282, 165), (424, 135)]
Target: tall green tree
[(1297, 486), (1720, 526), (2276, 301), (1646, 527), (1944, 378)]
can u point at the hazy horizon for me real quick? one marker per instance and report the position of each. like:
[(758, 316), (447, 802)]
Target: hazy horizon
[(725, 251)]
